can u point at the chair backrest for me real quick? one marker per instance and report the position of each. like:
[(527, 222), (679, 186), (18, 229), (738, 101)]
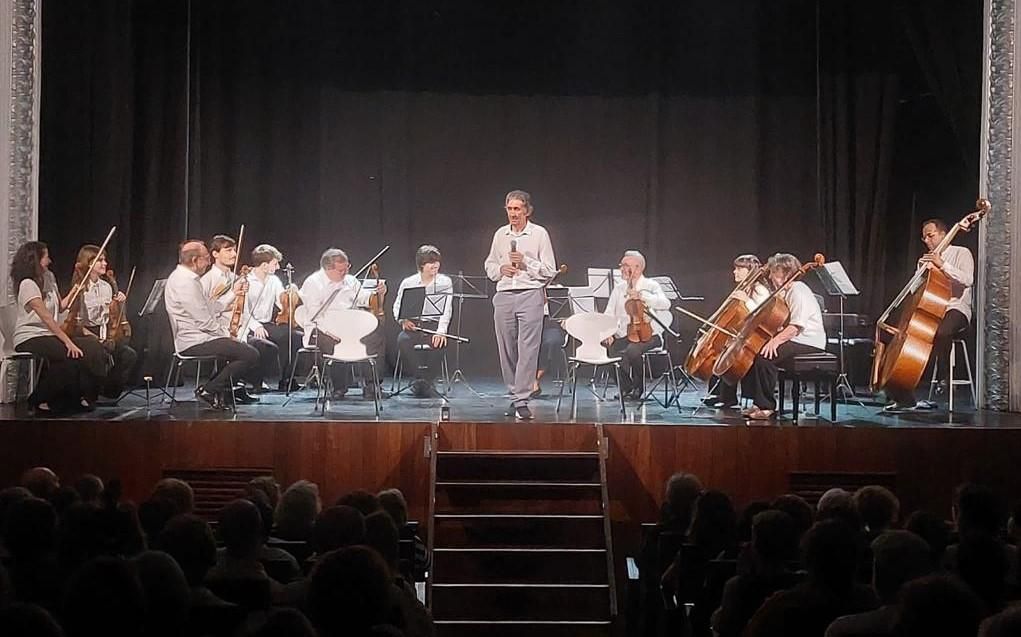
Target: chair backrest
[(591, 329), (350, 326), (8, 321)]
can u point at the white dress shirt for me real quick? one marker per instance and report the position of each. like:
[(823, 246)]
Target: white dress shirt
[(758, 296), (95, 308), (959, 266), (213, 279), (192, 313), (28, 325), (262, 296), (651, 292), (534, 243), (440, 285), (318, 287), (806, 315)]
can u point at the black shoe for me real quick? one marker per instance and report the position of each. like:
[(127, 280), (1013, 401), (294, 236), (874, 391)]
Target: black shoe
[(209, 398), (261, 388), (711, 401), (523, 413), (511, 411), (242, 397)]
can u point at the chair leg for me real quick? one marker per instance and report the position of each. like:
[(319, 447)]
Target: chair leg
[(816, 385), (932, 381), (325, 388), (166, 385), (290, 380), (971, 380), (620, 394), (375, 379), (560, 396), (574, 392), (395, 382), (781, 383), (796, 398), (950, 378), (177, 379), (230, 391), (833, 398)]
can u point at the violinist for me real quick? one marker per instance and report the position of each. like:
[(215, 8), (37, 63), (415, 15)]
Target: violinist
[(197, 329), (75, 365), (317, 288), (218, 281), (420, 351), (958, 264), (97, 295), (744, 266), (264, 293), (635, 287), (803, 334)]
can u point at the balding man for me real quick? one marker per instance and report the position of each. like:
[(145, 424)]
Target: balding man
[(197, 331)]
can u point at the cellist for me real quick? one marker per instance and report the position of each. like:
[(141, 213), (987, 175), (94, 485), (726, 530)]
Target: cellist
[(636, 286), (958, 264), (97, 295), (803, 334)]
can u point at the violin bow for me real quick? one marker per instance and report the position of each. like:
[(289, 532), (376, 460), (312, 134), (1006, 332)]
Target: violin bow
[(92, 266)]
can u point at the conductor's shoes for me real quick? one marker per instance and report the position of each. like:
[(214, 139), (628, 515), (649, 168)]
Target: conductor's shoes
[(523, 413)]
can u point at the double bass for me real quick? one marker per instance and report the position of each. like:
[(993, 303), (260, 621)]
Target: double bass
[(721, 326), (900, 363), (763, 324)]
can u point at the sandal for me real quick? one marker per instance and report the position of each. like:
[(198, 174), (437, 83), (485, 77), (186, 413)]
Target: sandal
[(762, 414)]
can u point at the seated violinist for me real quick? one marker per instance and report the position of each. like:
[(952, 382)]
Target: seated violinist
[(264, 294), (420, 350), (744, 266), (635, 287), (803, 334), (97, 297), (218, 280)]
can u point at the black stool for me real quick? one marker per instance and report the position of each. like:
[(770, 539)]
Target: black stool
[(816, 367)]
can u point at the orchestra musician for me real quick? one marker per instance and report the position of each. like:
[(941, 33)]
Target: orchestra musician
[(420, 351), (803, 334), (554, 340), (97, 295), (744, 266), (316, 290), (958, 264), (520, 261), (76, 366), (198, 329), (635, 286), (264, 292), (218, 281)]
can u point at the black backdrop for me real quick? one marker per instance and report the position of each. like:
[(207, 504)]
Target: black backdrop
[(691, 130)]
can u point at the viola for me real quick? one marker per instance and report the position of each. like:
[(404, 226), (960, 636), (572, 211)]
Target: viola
[(238, 305), (763, 324), (639, 327), (289, 301), (900, 363)]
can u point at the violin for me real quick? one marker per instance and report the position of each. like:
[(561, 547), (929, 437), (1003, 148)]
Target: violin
[(238, 307), (763, 324), (378, 297), (118, 327), (289, 301), (639, 327), (900, 363)]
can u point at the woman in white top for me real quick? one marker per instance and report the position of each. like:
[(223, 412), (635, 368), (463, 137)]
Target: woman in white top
[(66, 383)]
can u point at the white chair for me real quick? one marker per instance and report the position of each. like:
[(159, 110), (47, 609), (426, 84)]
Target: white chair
[(350, 326), (590, 329), (8, 320), (179, 360), (953, 381)]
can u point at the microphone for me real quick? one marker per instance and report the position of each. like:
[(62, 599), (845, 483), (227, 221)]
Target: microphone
[(514, 248)]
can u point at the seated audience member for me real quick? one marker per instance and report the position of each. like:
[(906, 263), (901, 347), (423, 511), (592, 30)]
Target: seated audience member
[(64, 498), (392, 501), (979, 512), (167, 596), (938, 605), (8, 497), (28, 620), (898, 557), (774, 545), (90, 488), (878, 508), (267, 485), (681, 492), (362, 500), (41, 481), (285, 622), (934, 530), (981, 563), (349, 592), (279, 564), (835, 497), (297, 511), (238, 571), (743, 532), (30, 535), (104, 597), (178, 492), (830, 552), (1003, 624), (799, 510), (407, 613), (337, 527), (153, 515)]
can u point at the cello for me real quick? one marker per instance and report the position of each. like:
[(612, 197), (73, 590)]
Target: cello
[(763, 324), (900, 363), (722, 325)]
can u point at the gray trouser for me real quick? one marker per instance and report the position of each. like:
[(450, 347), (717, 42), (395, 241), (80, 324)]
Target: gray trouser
[(518, 319)]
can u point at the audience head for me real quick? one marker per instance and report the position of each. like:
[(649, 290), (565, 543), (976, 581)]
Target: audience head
[(30, 530), (714, 523), (240, 528), (381, 534), (153, 515), (189, 540), (167, 598), (774, 537), (104, 597), (41, 481), (296, 513), (747, 518), (842, 510), (90, 488), (977, 509), (176, 491), (349, 592), (28, 620), (392, 501), (8, 497), (933, 529), (834, 497), (830, 552), (897, 558), (267, 485), (362, 500), (682, 489), (799, 510), (878, 508), (64, 498), (982, 564), (938, 605), (337, 527), (1004, 624)]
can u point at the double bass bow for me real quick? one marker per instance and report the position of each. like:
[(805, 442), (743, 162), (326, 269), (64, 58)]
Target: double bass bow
[(763, 324), (900, 363)]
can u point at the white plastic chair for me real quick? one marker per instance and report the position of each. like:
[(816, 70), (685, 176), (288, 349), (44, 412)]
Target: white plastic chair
[(350, 326), (590, 329)]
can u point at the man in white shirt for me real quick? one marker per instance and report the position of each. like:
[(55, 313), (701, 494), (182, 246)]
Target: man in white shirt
[(420, 350), (197, 330), (803, 334), (257, 326), (218, 280), (316, 291), (635, 286), (958, 264), (521, 261)]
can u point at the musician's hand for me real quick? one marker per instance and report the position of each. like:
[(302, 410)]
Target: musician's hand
[(508, 270), (608, 342), (439, 341), (740, 295), (408, 326), (381, 288), (932, 260), (769, 349), (73, 351), (965, 224), (517, 259), (120, 298), (260, 332)]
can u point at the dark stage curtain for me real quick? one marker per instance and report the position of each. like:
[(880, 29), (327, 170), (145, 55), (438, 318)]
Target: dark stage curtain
[(688, 130)]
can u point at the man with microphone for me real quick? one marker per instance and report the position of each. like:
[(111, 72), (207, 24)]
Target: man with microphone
[(521, 261)]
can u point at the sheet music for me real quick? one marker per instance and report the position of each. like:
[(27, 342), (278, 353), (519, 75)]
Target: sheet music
[(840, 278)]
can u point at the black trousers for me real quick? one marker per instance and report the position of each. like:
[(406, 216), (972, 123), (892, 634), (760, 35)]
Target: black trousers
[(554, 339), (631, 363), (953, 326), (375, 344), (761, 378), (240, 358), (120, 375), (273, 353), (726, 392), (67, 380), (423, 363)]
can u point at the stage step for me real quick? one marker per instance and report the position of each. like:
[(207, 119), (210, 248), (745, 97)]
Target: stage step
[(520, 544)]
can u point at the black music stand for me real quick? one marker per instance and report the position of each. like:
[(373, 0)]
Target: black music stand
[(836, 282), (465, 282), (559, 301), (152, 303), (430, 307)]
